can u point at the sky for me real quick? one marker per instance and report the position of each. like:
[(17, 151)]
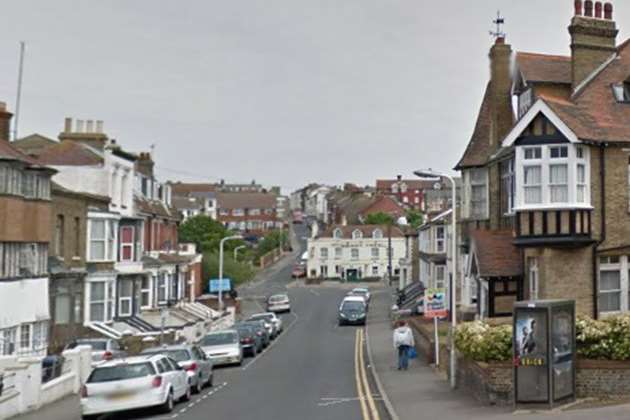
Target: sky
[(284, 92)]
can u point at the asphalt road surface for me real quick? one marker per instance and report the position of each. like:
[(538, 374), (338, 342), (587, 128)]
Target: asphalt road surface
[(311, 371)]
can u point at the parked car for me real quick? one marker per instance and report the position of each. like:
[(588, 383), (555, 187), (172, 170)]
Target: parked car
[(361, 291), (360, 296), (223, 347), (250, 341), (261, 331), (271, 318), (299, 270), (103, 349), (132, 383), (279, 303), (192, 359), (352, 310)]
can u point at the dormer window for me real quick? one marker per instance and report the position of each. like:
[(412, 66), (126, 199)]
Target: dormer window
[(377, 234), (622, 91), (356, 234), (337, 233)]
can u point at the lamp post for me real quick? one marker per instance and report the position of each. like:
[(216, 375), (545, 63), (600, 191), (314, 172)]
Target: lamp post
[(236, 250), (430, 173), (227, 238)]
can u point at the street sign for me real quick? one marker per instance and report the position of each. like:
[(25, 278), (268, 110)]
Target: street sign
[(435, 303), (218, 285)]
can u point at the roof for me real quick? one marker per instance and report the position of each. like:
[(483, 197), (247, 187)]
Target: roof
[(246, 200), (70, 153), (181, 188), (544, 68), (496, 254), (366, 230), (181, 203), (10, 152), (56, 188), (479, 148), (412, 184), (155, 207), (34, 144), (383, 204)]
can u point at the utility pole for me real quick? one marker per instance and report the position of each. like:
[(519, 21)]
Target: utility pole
[(389, 252), (18, 99), (227, 238)]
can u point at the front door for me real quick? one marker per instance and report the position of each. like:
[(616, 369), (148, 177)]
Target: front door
[(125, 297), (352, 275)]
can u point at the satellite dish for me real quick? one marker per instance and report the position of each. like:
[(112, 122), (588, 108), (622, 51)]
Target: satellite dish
[(437, 186)]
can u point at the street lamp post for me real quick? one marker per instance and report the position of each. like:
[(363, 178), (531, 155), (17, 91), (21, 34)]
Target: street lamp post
[(227, 238), (236, 250), (430, 173)]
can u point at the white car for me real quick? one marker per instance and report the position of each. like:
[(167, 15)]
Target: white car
[(361, 291), (132, 383), (269, 317), (279, 303), (223, 347)]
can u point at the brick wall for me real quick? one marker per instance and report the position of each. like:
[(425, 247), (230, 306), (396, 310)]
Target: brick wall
[(489, 383), (24, 220)]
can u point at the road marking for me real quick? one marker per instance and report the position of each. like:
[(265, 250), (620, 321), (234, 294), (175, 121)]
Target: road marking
[(286, 330), (357, 377), (313, 292), (366, 383)]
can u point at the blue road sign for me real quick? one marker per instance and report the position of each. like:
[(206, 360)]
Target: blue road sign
[(217, 285)]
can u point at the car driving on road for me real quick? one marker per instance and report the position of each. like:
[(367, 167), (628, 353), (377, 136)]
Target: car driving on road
[(352, 311), (132, 383), (192, 359), (361, 291), (279, 303), (223, 347)]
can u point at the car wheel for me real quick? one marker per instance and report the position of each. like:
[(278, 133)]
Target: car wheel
[(210, 380), (199, 386), (253, 351), (169, 404), (88, 417), (187, 395)]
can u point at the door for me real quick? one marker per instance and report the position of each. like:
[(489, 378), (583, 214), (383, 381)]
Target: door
[(125, 297), (352, 275)]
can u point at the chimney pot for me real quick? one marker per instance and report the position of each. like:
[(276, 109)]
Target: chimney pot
[(399, 177), (588, 8), (578, 7), (89, 126), (608, 11), (499, 40), (598, 10), (80, 126), (67, 126), (99, 126)]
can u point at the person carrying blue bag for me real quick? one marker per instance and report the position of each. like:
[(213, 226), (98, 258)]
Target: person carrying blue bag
[(403, 343)]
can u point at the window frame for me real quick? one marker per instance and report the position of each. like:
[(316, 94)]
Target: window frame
[(127, 245)]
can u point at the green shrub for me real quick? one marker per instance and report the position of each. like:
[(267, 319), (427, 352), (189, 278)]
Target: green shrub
[(482, 342)]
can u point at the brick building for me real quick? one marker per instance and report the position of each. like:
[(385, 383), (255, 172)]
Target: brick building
[(555, 175), (252, 213)]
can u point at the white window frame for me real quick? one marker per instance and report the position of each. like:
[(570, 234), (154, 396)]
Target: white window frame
[(109, 240), (323, 253), (357, 234), (238, 212), (573, 159), (375, 252), (622, 267), (475, 177), (354, 253), (509, 184), (148, 292), (338, 253), (125, 299), (533, 278), (338, 234), (440, 276), (108, 301), (162, 285), (25, 345), (440, 242)]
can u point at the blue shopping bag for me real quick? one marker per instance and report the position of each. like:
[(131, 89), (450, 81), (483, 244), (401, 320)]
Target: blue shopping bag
[(412, 353)]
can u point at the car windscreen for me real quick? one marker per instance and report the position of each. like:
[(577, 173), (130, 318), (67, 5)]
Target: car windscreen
[(121, 372), (179, 355), (96, 345), (351, 305), (268, 318), (279, 298), (245, 331), (218, 339)]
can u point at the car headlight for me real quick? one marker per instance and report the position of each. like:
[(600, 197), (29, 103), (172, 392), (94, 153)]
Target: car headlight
[(341, 314), (362, 315)]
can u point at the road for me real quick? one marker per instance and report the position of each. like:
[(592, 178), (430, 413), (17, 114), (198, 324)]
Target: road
[(310, 372)]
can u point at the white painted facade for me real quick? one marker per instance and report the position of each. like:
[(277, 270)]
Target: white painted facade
[(362, 257), (317, 203)]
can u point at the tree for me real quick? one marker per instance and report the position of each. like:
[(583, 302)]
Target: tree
[(379, 218), (415, 218), (206, 233)]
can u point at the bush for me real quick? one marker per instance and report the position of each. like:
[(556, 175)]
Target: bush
[(239, 272), (484, 343)]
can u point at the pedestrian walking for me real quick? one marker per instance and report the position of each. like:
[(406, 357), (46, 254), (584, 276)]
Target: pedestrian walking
[(403, 342)]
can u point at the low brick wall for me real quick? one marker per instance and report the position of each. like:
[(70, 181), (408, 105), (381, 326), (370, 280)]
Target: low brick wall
[(491, 383)]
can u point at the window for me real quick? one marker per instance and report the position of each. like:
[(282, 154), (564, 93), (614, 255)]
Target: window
[(238, 212), (338, 253), (375, 270), (375, 252), (354, 253), (532, 264), (63, 309), (311, 252), (25, 336), (28, 185), (579, 152), (558, 183), (323, 271), (127, 243), (8, 341), (323, 252), (507, 179), (478, 193), (125, 297), (145, 292), (98, 301), (254, 212), (357, 234), (377, 234), (581, 183), (77, 237), (440, 275), (161, 288), (533, 153), (439, 239), (558, 152), (174, 281), (40, 335), (102, 237), (337, 233), (532, 184), (622, 91), (609, 291)]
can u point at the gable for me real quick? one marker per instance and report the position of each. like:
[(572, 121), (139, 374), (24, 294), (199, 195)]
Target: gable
[(540, 131)]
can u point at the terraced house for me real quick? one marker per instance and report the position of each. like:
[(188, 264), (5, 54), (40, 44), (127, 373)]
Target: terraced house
[(550, 182)]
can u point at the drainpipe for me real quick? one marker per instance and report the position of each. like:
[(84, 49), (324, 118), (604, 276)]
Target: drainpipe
[(602, 198)]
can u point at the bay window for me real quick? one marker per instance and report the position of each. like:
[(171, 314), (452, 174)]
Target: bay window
[(102, 239), (552, 176)]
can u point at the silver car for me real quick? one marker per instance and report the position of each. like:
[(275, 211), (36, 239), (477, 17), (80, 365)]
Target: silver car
[(192, 359), (271, 319), (103, 349), (223, 347)]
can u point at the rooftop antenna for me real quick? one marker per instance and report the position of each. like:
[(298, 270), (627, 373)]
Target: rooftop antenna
[(499, 21), (18, 99)]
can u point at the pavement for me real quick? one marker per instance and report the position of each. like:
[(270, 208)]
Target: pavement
[(420, 393)]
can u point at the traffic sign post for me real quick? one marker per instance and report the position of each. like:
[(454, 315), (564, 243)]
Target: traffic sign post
[(435, 307), (219, 285)]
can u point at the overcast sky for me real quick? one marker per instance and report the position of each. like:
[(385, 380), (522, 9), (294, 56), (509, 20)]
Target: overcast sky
[(282, 91)]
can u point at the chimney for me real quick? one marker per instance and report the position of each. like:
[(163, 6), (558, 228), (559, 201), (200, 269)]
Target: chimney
[(145, 164), (89, 132), (67, 126), (500, 90), (593, 38), (5, 122)]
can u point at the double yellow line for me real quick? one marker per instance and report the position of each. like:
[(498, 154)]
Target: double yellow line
[(368, 408)]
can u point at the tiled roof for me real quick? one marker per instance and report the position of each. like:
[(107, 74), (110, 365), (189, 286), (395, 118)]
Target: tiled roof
[(496, 255), (412, 184), (34, 144), (155, 207), (479, 148), (56, 188), (184, 189), (593, 114), (182, 203), (366, 230), (544, 68), (384, 204), (246, 200), (9, 152), (70, 153)]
